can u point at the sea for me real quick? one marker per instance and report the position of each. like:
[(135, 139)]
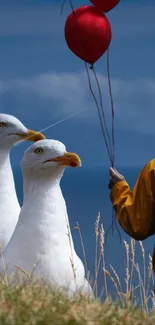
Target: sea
[(86, 194)]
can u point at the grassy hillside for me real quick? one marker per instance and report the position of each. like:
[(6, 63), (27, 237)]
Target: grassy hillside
[(37, 304)]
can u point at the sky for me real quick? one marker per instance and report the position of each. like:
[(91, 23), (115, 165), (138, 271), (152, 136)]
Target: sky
[(42, 81)]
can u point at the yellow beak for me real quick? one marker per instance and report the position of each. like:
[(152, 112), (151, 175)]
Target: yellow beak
[(68, 159), (31, 136)]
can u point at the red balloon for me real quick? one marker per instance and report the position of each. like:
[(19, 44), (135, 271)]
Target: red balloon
[(105, 5), (88, 33)]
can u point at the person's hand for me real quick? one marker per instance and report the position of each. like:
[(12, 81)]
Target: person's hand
[(115, 177)]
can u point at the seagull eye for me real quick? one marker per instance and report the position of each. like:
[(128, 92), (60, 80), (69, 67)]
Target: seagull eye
[(38, 151), (3, 124)]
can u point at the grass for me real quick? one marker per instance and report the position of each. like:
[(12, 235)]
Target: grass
[(37, 304)]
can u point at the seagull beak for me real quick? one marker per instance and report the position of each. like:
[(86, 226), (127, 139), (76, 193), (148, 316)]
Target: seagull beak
[(31, 136), (68, 159)]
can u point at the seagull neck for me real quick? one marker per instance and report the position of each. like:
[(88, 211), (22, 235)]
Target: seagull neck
[(5, 165), (7, 184), (43, 196), (40, 187), (44, 203), (4, 156)]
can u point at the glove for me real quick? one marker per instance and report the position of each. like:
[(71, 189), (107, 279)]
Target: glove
[(115, 177)]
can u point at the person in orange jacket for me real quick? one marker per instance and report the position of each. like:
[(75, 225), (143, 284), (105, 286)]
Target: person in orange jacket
[(135, 209)]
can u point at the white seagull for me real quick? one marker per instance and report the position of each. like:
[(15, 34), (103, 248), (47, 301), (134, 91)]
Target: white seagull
[(42, 242), (11, 131)]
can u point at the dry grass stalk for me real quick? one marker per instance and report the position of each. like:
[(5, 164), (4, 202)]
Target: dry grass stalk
[(114, 283), (103, 257), (83, 249), (71, 258), (97, 225), (144, 270), (101, 233), (117, 277), (132, 243), (127, 278), (140, 283), (4, 267), (130, 289), (22, 271), (150, 269)]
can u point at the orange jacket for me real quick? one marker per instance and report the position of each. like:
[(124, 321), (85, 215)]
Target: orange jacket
[(135, 209)]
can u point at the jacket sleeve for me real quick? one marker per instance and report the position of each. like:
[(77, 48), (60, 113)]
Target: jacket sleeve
[(135, 209)]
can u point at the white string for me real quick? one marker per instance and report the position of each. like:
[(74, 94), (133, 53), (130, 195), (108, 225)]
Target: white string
[(54, 124), (60, 121)]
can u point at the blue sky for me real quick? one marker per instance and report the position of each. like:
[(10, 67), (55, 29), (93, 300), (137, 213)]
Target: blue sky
[(42, 81)]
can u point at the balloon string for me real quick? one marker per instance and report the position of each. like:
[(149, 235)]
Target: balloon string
[(99, 113), (70, 1), (102, 108), (62, 6), (112, 109), (103, 123), (111, 152), (112, 159), (114, 220)]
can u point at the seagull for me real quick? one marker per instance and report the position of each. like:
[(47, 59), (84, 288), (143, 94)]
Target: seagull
[(11, 131), (42, 243)]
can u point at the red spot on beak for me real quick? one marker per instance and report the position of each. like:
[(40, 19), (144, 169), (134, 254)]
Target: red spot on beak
[(73, 164)]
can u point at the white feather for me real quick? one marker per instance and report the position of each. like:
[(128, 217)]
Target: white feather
[(42, 236), (9, 205)]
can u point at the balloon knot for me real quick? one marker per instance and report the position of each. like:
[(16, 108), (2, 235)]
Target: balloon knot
[(91, 67)]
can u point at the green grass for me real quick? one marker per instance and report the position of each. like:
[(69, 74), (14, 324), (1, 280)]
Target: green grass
[(37, 304)]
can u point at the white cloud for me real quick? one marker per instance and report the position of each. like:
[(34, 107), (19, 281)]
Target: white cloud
[(57, 95)]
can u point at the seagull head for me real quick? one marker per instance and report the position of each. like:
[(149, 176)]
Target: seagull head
[(47, 157), (12, 130)]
